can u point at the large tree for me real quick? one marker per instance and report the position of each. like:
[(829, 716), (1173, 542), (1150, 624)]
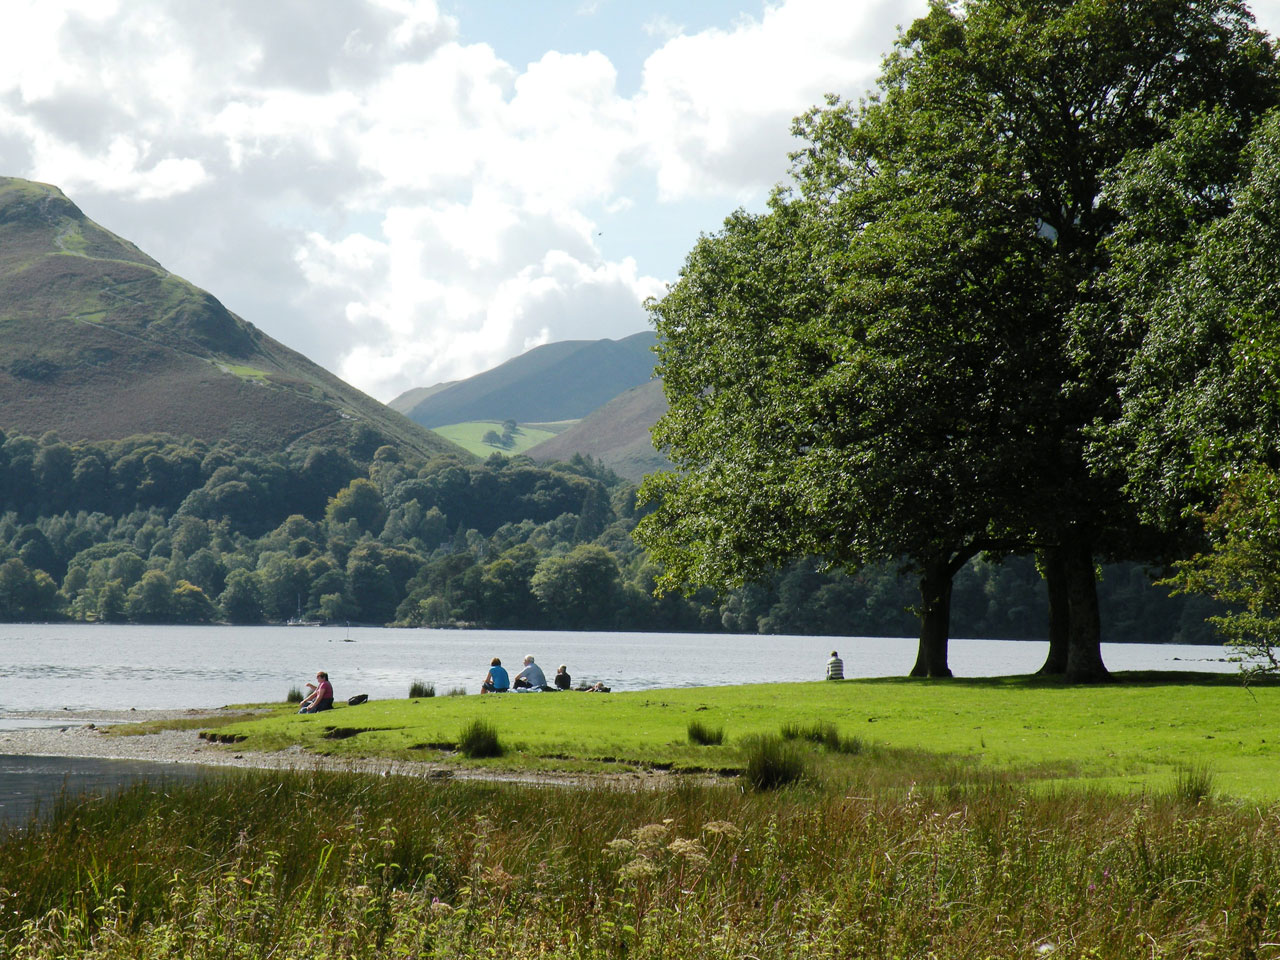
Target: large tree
[(887, 363)]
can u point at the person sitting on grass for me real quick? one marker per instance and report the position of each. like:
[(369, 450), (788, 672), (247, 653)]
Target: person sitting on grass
[(835, 667), (530, 677), (320, 698), (496, 680), (562, 679)]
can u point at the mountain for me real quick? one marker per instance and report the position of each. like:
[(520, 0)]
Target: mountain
[(557, 381), (617, 434), (98, 341)]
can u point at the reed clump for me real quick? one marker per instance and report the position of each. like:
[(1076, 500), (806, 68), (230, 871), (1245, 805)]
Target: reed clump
[(294, 695), (705, 735), (420, 689), (479, 740), (337, 865), (821, 733), (772, 762)]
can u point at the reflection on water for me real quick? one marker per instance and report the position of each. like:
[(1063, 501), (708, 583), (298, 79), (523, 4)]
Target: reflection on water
[(31, 784), (90, 666)]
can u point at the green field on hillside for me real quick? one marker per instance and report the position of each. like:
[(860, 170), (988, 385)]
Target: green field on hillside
[(471, 436), (1129, 736)]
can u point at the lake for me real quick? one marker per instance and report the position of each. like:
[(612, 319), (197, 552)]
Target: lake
[(99, 666)]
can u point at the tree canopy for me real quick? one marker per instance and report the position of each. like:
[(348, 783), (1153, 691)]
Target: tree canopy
[(903, 358)]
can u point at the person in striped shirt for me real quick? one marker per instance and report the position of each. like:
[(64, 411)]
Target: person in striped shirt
[(835, 667)]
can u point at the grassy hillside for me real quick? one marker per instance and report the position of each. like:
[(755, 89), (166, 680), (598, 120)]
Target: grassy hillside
[(618, 434), (471, 437), (557, 381), (98, 341)]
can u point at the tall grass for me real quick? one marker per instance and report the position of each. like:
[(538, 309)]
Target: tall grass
[(702, 735), (1193, 783), (294, 695), (772, 762), (824, 734), (337, 865), (420, 689), (328, 866), (479, 739)]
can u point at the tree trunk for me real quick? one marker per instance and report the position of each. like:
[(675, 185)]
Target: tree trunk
[(1055, 580), (1084, 644), (935, 621)]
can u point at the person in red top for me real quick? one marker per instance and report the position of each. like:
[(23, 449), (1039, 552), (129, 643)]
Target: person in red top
[(321, 698)]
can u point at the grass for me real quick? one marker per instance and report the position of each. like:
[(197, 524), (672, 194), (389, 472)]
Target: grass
[(1124, 737), (420, 689), (479, 740), (772, 762), (704, 735), (470, 436), (340, 865)]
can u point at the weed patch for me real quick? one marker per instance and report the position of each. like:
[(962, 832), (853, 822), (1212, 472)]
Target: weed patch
[(479, 739)]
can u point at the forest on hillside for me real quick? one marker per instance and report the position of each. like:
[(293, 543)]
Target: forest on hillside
[(160, 529)]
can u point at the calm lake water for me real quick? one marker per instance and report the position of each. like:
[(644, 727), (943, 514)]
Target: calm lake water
[(86, 667)]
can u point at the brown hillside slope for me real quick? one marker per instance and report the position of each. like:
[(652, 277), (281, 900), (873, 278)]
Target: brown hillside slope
[(617, 434), (98, 341)]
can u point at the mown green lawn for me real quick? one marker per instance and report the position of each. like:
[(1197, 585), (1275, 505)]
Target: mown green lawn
[(1130, 735)]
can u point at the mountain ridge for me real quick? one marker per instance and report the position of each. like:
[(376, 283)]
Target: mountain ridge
[(565, 380), (99, 341)]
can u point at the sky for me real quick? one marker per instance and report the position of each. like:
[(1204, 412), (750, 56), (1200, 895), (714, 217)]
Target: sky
[(412, 191)]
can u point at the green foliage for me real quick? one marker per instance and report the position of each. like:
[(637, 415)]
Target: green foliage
[(705, 735), (294, 695), (904, 358), (329, 866), (421, 689), (771, 762), (479, 740), (1241, 569), (821, 733)]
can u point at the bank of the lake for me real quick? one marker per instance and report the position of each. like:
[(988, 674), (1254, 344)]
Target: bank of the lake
[(91, 667)]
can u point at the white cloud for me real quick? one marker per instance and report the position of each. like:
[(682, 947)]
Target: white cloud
[(399, 205)]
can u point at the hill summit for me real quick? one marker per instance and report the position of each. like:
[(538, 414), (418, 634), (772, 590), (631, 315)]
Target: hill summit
[(98, 341), (565, 380)]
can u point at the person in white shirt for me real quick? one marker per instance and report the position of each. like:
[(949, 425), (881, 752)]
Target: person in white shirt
[(835, 667), (530, 677)]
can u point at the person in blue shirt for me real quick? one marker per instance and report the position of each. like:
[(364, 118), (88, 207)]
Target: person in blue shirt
[(496, 680)]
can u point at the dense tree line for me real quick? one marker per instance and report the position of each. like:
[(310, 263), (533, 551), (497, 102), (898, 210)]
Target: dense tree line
[(174, 531)]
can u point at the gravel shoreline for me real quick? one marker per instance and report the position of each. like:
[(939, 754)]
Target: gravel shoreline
[(83, 734)]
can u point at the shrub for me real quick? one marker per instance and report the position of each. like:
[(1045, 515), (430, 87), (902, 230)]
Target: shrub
[(772, 762), (824, 734), (293, 696), (702, 735), (420, 688), (479, 739)]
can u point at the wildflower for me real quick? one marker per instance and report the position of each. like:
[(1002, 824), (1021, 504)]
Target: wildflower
[(620, 846), (691, 850), (650, 835), (721, 828), (638, 869)]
